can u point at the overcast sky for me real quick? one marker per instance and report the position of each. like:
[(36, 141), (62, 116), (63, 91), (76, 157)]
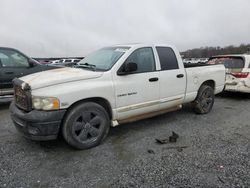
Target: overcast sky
[(46, 28)]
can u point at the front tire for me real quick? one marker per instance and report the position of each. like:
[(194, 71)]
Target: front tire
[(86, 125), (204, 101)]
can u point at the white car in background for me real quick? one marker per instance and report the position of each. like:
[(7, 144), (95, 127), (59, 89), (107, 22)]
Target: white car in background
[(203, 60), (188, 60), (55, 61), (194, 60), (237, 71), (66, 62)]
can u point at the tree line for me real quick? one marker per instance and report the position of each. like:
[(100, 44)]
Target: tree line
[(206, 52)]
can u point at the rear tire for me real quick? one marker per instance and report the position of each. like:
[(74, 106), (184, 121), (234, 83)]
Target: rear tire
[(86, 125), (204, 101)]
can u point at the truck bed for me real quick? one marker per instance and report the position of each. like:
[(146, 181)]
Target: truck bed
[(189, 65), (197, 74)]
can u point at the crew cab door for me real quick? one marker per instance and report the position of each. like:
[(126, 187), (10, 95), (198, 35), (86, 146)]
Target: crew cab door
[(172, 78), (12, 64), (137, 92)]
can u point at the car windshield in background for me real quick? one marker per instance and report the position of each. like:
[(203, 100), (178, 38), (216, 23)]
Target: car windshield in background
[(228, 62), (103, 59)]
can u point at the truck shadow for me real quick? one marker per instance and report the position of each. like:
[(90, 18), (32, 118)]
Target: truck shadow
[(128, 130), (150, 123), (234, 95), (4, 105), (117, 134)]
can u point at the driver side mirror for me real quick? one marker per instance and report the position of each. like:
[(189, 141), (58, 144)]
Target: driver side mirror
[(32, 63), (128, 68)]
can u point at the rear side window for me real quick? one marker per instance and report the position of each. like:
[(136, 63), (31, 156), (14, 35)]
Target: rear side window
[(167, 58)]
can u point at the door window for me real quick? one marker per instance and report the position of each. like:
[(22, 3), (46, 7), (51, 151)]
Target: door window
[(11, 58), (144, 58), (167, 58)]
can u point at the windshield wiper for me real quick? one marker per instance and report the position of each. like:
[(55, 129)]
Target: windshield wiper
[(86, 65)]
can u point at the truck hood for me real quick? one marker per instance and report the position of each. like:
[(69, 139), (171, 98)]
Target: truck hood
[(58, 76)]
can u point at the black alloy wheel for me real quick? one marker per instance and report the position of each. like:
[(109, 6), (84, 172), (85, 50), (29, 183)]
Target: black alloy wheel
[(204, 101), (86, 125)]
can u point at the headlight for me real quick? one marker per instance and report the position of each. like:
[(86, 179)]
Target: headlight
[(45, 103)]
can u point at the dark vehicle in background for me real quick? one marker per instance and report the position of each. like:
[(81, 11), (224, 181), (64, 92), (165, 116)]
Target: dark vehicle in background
[(15, 64)]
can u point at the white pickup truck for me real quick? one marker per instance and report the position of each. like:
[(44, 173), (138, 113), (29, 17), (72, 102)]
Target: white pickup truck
[(113, 85)]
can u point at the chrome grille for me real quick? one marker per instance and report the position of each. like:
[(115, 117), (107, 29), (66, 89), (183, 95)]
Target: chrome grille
[(22, 97)]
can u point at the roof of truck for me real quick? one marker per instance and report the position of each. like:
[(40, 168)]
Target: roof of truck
[(141, 45)]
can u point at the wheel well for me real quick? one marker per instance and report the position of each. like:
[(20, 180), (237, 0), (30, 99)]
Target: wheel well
[(210, 83), (101, 101)]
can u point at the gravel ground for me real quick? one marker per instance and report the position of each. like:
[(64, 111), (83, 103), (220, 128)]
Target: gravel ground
[(216, 153)]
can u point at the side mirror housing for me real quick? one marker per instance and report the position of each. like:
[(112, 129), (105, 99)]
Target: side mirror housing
[(32, 63), (130, 67), (127, 68)]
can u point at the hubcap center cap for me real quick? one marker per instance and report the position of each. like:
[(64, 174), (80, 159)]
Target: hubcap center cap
[(87, 126)]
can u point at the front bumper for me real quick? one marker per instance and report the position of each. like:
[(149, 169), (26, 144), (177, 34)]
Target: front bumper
[(37, 125), (4, 92)]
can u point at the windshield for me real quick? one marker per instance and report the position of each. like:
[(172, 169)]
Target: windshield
[(103, 59), (228, 62)]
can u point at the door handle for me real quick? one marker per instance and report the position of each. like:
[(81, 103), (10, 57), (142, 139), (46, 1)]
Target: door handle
[(155, 79), (180, 75), (9, 72)]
